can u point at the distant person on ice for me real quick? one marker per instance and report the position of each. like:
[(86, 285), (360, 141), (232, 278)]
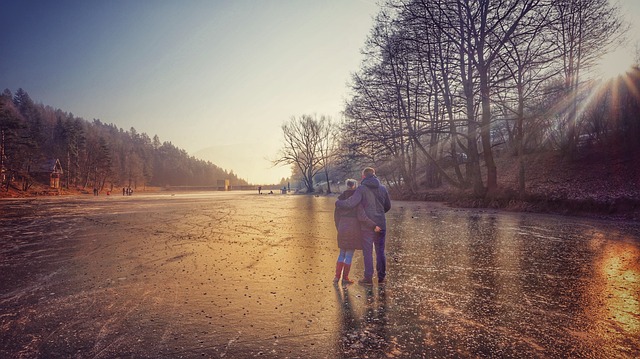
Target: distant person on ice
[(376, 202), (350, 223)]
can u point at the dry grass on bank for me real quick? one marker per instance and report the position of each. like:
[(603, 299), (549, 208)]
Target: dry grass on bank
[(596, 183)]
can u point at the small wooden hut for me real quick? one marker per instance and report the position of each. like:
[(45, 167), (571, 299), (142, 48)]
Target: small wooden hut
[(51, 171)]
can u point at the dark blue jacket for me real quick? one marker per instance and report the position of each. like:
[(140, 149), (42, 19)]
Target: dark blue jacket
[(374, 198)]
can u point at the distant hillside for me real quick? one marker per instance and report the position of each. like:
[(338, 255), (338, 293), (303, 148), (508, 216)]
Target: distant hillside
[(92, 154)]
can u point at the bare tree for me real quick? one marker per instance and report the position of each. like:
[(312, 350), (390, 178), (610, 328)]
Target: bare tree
[(528, 64), (384, 114), (302, 148), (490, 25), (327, 146), (461, 78), (477, 31), (434, 126)]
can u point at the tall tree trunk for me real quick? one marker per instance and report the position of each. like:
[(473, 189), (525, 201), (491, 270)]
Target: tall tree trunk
[(485, 129), (326, 175), (520, 142), (68, 168), (466, 73)]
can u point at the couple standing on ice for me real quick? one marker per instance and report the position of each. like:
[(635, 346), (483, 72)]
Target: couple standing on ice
[(361, 223)]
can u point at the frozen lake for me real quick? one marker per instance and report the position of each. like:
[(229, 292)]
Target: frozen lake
[(236, 275)]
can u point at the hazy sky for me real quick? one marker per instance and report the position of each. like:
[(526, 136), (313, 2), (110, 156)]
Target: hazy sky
[(216, 78)]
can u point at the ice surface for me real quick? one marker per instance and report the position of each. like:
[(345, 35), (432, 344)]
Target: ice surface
[(241, 275)]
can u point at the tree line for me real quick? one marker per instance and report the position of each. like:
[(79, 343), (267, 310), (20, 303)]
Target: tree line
[(92, 154), (447, 86)]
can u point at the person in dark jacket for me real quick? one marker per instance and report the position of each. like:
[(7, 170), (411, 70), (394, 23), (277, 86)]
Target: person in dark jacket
[(350, 223), (374, 198)]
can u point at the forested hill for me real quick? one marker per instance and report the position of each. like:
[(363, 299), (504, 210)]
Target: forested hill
[(92, 153)]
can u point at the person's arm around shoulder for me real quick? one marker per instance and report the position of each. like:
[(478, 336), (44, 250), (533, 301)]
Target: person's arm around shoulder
[(351, 201)]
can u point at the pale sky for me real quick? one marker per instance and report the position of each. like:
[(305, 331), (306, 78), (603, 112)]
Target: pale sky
[(216, 78), (620, 59)]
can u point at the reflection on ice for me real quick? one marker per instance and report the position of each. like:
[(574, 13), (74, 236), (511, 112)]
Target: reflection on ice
[(618, 288)]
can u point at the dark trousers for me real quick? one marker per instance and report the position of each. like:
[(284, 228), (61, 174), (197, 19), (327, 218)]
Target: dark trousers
[(371, 239)]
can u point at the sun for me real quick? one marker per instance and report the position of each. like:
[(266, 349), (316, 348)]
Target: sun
[(615, 63)]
